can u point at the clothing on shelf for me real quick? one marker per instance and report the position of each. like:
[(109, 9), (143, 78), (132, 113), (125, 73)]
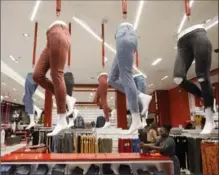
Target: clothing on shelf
[(135, 147), (23, 170), (194, 155), (85, 144), (106, 168), (59, 169), (93, 170), (63, 143), (125, 145), (41, 170), (125, 169), (181, 150), (209, 149), (105, 145), (100, 122), (77, 171), (79, 122)]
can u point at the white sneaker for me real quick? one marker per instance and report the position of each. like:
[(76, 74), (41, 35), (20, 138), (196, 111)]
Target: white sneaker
[(145, 101), (136, 124), (70, 101), (61, 125), (107, 125)]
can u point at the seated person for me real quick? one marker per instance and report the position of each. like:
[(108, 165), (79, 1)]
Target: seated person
[(165, 146)]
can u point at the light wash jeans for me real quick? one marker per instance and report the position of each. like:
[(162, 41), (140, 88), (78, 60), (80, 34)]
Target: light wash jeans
[(30, 88), (121, 77), (140, 83)]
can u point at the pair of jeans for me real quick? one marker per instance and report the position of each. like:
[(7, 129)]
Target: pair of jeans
[(140, 83), (30, 88), (195, 45), (54, 58), (101, 95), (121, 71)]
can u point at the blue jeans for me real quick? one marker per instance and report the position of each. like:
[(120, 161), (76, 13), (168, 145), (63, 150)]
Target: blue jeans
[(30, 88), (141, 86), (120, 76)]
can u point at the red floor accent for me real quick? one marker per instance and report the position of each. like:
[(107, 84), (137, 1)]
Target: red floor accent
[(59, 157)]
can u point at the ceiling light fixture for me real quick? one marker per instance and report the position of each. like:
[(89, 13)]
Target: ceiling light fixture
[(89, 30), (156, 61), (150, 85), (91, 94), (164, 78), (139, 11), (14, 89), (111, 97), (211, 24), (3, 83), (2, 97), (26, 35), (36, 7), (184, 18), (13, 59)]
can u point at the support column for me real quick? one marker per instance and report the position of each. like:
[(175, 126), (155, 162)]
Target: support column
[(48, 109), (121, 110)]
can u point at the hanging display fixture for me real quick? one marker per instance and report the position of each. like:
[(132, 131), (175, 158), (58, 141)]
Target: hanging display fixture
[(124, 8), (35, 43), (58, 7)]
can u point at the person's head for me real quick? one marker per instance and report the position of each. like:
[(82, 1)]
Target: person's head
[(153, 126), (165, 130)]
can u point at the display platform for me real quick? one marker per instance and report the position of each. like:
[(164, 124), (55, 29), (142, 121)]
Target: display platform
[(63, 158)]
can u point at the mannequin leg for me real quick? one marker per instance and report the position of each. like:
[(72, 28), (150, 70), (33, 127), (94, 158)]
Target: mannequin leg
[(30, 88), (70, 101), (126, 46), (115, 82), (103, 89), (54, 57), (203, 57)]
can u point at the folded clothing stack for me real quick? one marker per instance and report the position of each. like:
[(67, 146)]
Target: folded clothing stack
[(59, 169), (41, 170)]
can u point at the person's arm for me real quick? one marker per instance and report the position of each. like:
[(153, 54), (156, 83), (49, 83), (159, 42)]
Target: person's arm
[(97, 97), (154, 134)]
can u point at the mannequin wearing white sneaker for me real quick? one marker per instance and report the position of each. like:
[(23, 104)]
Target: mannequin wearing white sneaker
[(121, 77), (194, 45), (56, 53)]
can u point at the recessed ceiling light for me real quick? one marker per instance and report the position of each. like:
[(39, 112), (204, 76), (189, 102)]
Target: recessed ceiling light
[(14, 89), (111, 97), (156, 61), (150, 85), (13, 59), (26, 35), (3, 83), (164, 78), (2, 97), (91, 94)]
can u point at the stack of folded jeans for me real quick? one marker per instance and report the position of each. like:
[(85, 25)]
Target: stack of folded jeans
[(23, 170), (7, 169), (125, 169), (93, 170), (41, 170), (59, 169), (77, 171), (106, 168)]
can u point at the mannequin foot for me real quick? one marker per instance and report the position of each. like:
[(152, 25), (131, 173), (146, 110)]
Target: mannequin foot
[(70, 103), (61, 125), (107, 125), (136, 124), (145, 101), (208, 128), (209, 124), (31, 125)]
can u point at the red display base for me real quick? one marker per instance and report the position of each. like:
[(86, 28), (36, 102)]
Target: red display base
[(72, 157)]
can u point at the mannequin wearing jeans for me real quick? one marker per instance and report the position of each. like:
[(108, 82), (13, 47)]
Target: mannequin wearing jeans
[(101, 97), (121, 73), (193, 44), (30, 108), (54, 58)]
